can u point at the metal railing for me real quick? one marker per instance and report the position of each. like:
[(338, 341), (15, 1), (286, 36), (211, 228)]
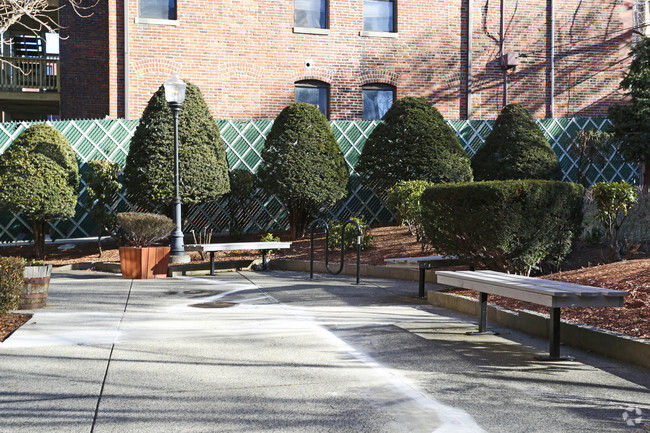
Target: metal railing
[(22, 73)]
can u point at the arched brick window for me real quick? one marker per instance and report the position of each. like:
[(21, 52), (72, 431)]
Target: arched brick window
[(314, 92)]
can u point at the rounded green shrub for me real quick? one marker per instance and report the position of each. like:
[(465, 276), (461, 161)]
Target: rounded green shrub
[(303, 164), (413, 143), (12, 281), (516, 149), (513, 226), (203, 167), (39, 177)]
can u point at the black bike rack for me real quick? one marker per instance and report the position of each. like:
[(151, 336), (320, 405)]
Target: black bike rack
[(319, 221)]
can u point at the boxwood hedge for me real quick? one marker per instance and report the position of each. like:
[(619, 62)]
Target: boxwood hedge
[(513, 226)]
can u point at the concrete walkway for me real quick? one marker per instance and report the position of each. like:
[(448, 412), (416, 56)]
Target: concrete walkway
[(274, 351)]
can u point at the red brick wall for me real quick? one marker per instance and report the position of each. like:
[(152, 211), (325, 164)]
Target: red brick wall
[(245, 57)]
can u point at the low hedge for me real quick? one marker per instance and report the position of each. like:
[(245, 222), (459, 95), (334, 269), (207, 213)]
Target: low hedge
[(12, 280), (513, 225)]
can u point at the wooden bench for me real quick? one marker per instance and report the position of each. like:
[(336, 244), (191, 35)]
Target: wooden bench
[(552, 294), (424, 263), (235, 246)]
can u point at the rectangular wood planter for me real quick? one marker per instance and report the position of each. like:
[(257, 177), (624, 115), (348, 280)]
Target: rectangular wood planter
[(145, 262)]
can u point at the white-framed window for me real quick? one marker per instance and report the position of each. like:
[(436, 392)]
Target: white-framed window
[(158, 9), (379, 15), (314, 92), (642, 17), (377, 100), (310, 14)]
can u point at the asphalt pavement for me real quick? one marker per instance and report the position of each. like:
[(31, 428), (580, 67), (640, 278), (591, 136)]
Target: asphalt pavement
[(277, 352)]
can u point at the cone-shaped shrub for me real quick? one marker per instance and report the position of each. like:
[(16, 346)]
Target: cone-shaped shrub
[(303, 164), (39, 177), (413, 143), (516, 149), (149, 170)]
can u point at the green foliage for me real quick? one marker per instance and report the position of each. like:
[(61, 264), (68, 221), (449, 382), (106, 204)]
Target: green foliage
[(413, 143), (590, 147), (203, 168), (303, 164), (513, 226), (12, 281), (613, 202), (102, 180), (39, 177), (631, 123), (351, 234), (269, 238), (143, 229), (516, 149), (242, 189), (405, 198)]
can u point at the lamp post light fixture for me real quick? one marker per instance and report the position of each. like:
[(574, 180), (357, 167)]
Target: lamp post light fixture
[(175, 96)]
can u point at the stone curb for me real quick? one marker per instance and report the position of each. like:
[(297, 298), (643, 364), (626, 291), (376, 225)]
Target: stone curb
[(611, 344)]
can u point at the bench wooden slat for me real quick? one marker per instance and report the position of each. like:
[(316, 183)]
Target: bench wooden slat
[(578, 289), (234, 246), (544, 292)]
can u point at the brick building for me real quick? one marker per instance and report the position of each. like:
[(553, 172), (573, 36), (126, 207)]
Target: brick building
[(252, 58)]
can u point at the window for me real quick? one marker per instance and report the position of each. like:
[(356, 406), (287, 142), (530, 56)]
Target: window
[(158, 9), (315, 93), (379, 15), (377, 99), (310, 13), (641, 18)]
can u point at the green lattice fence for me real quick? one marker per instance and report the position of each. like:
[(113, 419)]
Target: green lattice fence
[(109, 139)]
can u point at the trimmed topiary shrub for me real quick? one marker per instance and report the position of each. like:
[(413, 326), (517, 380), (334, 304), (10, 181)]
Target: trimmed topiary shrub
[(513, 226), (149, 170), (39, 177), (142, 229), (12, 280), (413, 143), (303, 164), (516, 149)]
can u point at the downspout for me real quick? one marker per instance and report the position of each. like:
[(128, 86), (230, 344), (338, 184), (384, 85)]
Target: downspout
[(501, 59), (552, 71), (126, 59), (470, 6)]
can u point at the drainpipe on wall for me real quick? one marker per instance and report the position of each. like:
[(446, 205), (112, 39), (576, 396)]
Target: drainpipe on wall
[(501, 60), (126, 59), (470, 6), (552, 71)]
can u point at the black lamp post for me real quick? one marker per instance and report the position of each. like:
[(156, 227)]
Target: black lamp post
[(175, 96)]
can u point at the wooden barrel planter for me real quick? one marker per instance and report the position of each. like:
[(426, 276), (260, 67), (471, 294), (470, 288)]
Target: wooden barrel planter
[(37, 283), (144, 262)]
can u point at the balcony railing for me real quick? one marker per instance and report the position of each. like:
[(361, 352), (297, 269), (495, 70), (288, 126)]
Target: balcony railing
[(19, 74)]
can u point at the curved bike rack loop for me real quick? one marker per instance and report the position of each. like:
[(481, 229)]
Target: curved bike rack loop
[(319, 221)]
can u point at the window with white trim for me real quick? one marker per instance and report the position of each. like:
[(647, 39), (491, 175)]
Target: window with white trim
[(310, 14), (158, 9)]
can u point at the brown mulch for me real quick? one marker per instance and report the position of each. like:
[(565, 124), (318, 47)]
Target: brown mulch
[(585, 266)]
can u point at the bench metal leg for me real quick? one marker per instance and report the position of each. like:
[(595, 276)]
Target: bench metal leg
[(421, 283), (264, 260), (554, 339), (211, 262), (482, 316)]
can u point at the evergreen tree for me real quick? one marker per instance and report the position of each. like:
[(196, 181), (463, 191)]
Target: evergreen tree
[(303, 164), (631, 123), (516, 149), (413, 143), (149, 170), (39, 177)]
